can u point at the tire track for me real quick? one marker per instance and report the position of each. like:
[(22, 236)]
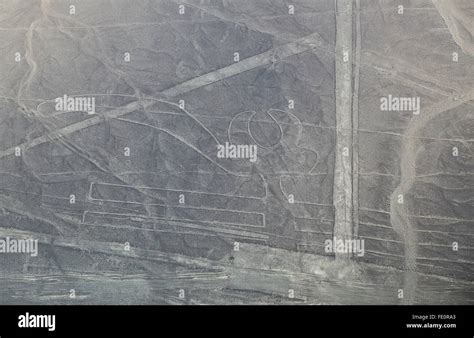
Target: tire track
[(459, 24), (398, 212)]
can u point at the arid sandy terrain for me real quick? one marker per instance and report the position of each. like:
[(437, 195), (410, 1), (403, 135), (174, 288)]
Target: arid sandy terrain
[(237, 152)]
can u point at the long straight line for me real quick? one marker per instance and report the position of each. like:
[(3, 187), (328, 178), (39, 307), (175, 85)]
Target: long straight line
[(355, 122), (280, 52), (342, 190)]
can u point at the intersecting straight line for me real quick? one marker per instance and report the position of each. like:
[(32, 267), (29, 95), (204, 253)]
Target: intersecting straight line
[(284, 51)]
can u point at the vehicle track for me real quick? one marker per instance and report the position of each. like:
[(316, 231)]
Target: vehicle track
[(399, 217), (398, 212)]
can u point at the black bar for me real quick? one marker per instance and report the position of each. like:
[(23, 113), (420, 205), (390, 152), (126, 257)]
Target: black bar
[(244, 321)]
